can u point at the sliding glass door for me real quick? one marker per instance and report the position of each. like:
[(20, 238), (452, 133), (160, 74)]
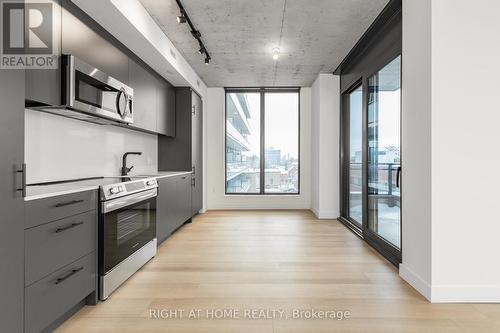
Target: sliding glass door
[(384, 153), (371, 158), (354, 116)]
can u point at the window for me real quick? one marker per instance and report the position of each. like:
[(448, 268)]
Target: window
[(262, 141)]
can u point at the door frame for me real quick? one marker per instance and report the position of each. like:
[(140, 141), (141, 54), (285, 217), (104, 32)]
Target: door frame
[(381, 44)]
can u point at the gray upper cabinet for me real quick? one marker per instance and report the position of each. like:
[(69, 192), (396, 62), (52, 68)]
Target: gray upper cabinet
[(145, 99), (166, 108)]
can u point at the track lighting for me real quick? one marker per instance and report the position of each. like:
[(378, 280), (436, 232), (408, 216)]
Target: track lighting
[(181, 18), (184, 18)]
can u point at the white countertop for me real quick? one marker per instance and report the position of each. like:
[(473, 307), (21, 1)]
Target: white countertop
[(46, 191), (34, 192), (163, 174)]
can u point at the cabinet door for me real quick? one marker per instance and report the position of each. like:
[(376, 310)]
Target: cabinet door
[(145, 101), (197, 154), (184, 198), (44, 86), (166, 210), (11, 201), (166, 108)]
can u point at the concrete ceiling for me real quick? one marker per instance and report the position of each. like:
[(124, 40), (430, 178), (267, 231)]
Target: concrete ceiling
[(240, 35)]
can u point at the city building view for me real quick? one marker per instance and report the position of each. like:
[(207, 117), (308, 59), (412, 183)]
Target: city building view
[(243, 141)]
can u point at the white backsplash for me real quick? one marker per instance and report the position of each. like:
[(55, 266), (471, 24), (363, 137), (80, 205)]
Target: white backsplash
[(58, 148)]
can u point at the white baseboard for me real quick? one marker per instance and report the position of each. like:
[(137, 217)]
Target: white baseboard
[(417, 282), (466, 294), (327, 215), (450, 293)]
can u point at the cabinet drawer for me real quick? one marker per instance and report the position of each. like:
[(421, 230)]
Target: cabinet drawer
[(55, 208), (53, 245), (51, 297)]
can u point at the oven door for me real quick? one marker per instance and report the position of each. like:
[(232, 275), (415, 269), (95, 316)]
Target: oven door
[(127, 224)]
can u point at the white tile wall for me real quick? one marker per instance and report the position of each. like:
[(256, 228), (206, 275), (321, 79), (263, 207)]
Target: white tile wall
[(58, 148)]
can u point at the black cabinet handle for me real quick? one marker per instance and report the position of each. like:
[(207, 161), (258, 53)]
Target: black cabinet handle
[(62, 204), (72, 225), (22, 171), (73, 272)]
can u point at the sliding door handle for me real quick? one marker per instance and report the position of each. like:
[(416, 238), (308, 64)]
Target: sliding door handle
[(398, 176)]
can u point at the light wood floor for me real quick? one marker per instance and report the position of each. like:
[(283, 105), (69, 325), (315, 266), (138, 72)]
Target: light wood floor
[(274, 260)]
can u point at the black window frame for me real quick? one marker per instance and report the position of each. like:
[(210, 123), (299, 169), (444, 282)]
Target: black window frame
[(262, 91)]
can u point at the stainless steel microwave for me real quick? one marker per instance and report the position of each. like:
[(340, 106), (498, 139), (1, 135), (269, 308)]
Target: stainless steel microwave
[(89, 90)]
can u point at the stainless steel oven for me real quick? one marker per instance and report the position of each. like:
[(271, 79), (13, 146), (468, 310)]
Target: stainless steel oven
[(89, 90), (127, 237)]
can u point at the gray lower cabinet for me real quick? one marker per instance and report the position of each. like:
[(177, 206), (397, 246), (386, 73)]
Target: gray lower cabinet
[(55, 208), (173, 204), (50, 298), (51, 246), (60, 257)]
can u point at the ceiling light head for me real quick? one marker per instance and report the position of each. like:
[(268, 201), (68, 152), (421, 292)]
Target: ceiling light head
[(181, 18), (276, 53), (207, 60), (201, 50)]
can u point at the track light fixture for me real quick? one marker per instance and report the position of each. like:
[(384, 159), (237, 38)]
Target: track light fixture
[(184, 18), (181, 18)]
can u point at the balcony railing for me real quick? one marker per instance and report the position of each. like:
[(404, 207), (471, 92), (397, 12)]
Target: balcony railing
[(383, 178)]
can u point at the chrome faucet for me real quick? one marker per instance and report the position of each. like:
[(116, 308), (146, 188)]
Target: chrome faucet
[(124, 169)]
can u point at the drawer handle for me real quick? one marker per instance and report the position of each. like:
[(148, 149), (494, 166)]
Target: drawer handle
[(62, 204), (72, 225), (73, 272)]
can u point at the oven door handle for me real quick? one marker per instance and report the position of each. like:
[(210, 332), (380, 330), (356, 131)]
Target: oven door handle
[(128, 200)]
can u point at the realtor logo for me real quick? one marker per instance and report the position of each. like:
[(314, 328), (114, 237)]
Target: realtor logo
[(29, 38)]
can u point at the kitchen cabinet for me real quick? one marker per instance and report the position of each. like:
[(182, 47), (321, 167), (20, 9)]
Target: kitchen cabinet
[(174, 204), (165, 118), (185, 150), (154, 101), (154, 97), (145, 105), (11, 200), (60, 258)]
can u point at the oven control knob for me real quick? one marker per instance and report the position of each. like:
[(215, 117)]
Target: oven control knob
[(150, 183), (114, 190)]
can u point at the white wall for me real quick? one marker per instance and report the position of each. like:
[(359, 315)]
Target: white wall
[(465, 154), (450, 141), (58, 148), (325, 144), (416, 146), (216, 199)]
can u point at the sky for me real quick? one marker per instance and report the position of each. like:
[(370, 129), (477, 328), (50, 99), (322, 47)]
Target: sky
[(282, 122)]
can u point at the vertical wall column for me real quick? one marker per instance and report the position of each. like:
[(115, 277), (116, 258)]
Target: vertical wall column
[(325, 145), (450, 149)]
